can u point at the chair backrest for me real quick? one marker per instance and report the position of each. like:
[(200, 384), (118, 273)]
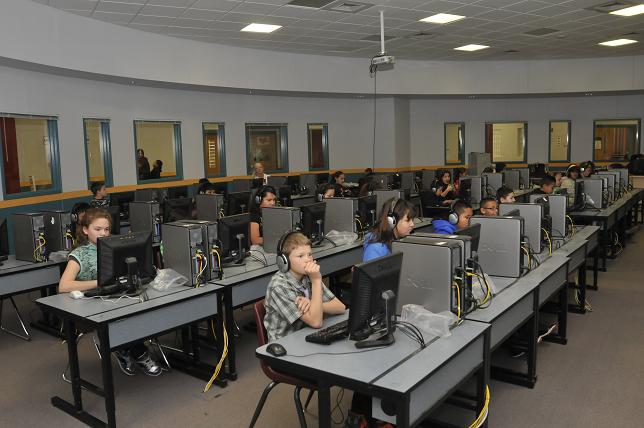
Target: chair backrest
[(260, 313)]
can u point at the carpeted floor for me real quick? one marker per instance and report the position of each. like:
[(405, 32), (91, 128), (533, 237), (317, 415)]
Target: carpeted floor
[(594, 381)]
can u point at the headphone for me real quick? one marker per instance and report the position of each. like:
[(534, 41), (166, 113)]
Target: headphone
[(571, 167), (283, 264), (262, 192), (77, 209), (392, 216), (453, 216)]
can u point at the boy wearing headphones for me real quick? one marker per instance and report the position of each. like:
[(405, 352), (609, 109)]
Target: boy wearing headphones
[(296, 296), (459, 218), (265, 197)]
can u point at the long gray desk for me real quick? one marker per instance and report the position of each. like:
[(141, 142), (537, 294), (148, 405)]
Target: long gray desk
[(17, 276), (247, 284), (518, 301), (119, 323), (410, 380)]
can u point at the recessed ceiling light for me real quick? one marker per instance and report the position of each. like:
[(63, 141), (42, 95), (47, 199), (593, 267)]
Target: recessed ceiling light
[(261, 28), (618, 42), (442, 18), (471, 48), (630, 11)]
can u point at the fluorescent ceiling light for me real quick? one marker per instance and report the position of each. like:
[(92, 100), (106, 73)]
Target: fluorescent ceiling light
[(261, 28), (471, 48), (630, 11), (618, 42), (442, 18)]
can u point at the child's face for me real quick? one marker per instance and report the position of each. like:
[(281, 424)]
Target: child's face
[(97, 229), (510, 199), (330, 193), (268, 200), (490, 209), (102, 193), (404, 227), (299, 257), (548, 188), (464, 218)]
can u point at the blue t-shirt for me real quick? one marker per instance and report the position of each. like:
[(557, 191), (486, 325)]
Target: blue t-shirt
[(373, 250), (444, 227)]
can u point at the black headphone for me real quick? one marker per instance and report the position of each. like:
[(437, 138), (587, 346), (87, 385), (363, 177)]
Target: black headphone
[(262, 192), (283, 264), (453, 216), (77, 209), (392, 216)]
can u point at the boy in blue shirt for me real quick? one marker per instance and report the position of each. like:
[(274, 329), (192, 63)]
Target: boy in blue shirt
[(460, 219)]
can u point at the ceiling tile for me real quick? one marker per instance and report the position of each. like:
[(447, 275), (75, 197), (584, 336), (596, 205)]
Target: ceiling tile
[(293, 12), (224, 5), (114, 17), (526, 6), (255, 8), (110, 6), (152, 20), (168, 11), (73, 4), (86, 13), (176, 3), (209, 15)]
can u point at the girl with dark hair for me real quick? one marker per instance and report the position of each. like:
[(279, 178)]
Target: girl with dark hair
[(443, 188), (396, 220), (266, 196)]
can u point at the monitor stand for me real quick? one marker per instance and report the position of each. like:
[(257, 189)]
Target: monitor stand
[(384, 336)]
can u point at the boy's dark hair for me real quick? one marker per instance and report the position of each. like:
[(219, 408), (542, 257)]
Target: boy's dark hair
[(503, 192), (547, 180), (486, 200), (572, 168), (337, 174), (203, 180), (381, 232), (460, 206), (488, 170), (96, 186), (205, 186)]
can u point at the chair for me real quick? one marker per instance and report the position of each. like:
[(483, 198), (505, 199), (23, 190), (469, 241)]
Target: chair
[(276, 377)]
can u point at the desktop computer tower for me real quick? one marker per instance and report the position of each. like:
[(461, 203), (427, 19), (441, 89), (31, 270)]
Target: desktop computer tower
[(428, 272), (209, 207), (499, 251), (29, 240), (593, 193), (477, 162), (340, 214), (524, 178), (532, 215), (188, 254), (383, 196), (211, 244), (145, 217), (494, 183), (613, 183), (464, 241), (276, 221), (512, 179), (624, 180), (407, 181), (558, 205), (58, 230), (154, 194)]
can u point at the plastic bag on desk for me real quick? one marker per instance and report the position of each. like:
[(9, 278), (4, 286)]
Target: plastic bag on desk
[(168, 278), (341, 238), (479, 290), (58, 256), (428, 322)]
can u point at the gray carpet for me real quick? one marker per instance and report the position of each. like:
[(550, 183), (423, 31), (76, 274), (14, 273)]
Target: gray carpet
[(594, 381)]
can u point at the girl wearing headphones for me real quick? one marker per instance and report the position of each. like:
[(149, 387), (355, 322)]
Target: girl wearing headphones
[(396, 221), (265, 197), (443, 188)]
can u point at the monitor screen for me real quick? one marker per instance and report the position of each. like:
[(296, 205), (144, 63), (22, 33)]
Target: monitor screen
[(237, 203), (369, 281), (313, 221), (177, 209), (113, 253), (368, 210), (234, 234), (474, 232)]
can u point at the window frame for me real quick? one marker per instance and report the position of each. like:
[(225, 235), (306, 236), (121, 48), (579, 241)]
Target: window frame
[(567, 160), (106, 150), (639, 137), (52, 130), (461, 149), (525, 139), (221, 135), (283, 146), (325, 144), (177, 152)]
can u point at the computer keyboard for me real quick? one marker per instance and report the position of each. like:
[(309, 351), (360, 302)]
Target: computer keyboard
[(330, 334)]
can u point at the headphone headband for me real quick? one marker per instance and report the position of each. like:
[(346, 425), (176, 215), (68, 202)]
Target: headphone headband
[(392, 217), (282, 261), (453, 216)]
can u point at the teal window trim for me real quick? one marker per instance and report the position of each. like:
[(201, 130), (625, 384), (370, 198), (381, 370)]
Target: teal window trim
[(283, 146), (177, 153), (550, 141), (52, 130), (461, 148), (106, 151), (325, 145), (638, 136), (525, 140), (221, 135)]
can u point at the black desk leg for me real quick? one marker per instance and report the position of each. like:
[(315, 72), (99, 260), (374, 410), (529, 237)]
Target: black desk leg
[(74, 369), (562, 318), (604, 245), (324, 405), (108, 379), (533, 333), (230, 323), (580, 289), (595, 285)]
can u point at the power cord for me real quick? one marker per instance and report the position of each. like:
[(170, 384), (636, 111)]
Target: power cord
[(224, 354)]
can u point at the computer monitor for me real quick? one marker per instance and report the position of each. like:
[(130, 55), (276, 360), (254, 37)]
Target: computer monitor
[(474, 232), (322, 178), (465, 190), (256, 183), (116, 220), (407, 180), (122, 200), (237, 203), (177, 192), (177, 209), (4, 240), (293, 181), (368, 210), (579, 201), (234, 233), (276, 181), (374, 290), (123, 260), (284, 195), (309, 181), (637, 166), (313, 221), (242, 185), (396, 180), (546, 219)]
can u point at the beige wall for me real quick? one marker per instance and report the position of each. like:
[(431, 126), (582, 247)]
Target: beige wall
[(157, 141), (33, 150)]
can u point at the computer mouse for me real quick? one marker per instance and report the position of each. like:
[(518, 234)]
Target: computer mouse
[(76, 294), (276, 349)]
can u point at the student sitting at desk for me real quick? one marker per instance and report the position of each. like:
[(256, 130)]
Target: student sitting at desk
[(489, 207), (337, 180), (459, 218), (443, 189), (505, 195), (258, 172), (206, 188), (265, 197), (396, 221), (328, 191), (568, 182), (587, 169), (101, 199), (80, 275), (558, 178), (296, 296), (547, 185)]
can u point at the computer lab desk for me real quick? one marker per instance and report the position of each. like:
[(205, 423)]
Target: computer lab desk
[(412, 381), (119, 323), (247, 283), (17, 277), (518, 301)]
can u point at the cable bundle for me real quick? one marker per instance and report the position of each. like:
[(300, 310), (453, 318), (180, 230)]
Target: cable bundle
[(224, 354)]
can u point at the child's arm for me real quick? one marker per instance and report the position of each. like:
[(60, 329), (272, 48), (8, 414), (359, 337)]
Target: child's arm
[(68, 279), (314, 316), (333, 307), (255, 238)]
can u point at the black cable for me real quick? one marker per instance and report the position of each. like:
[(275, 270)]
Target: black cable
[(338, 353), (413, 331), (338, 402), (263, 255)]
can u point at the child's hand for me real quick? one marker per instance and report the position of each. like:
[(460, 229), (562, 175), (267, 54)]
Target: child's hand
[(312, 270), (303, 304)]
